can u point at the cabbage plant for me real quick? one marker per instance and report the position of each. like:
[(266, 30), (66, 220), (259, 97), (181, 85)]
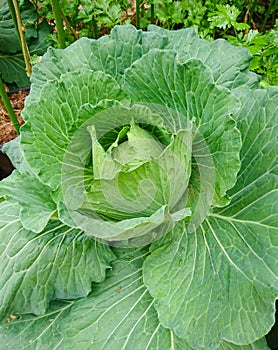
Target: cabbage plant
[(142, 213)]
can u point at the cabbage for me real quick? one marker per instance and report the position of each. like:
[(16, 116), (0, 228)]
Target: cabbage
[(141, 214)]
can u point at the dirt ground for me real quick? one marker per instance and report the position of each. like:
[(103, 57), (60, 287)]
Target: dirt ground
[(7, 131)]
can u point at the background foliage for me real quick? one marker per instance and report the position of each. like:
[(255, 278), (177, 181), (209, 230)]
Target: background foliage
[(248, 23)]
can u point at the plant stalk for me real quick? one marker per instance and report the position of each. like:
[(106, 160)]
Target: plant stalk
[(152, 13), (69, 26), (59, 24), (95, 28), (12, 12), (270, 8), (9, 107), (137, 11), (21, 30)]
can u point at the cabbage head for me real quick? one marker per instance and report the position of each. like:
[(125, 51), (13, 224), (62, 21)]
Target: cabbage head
[(142, 213)]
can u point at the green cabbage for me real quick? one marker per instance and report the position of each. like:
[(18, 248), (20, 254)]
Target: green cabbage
[(141, 214)]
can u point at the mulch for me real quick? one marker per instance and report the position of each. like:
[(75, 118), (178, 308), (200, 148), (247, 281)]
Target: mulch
[(7, 130)]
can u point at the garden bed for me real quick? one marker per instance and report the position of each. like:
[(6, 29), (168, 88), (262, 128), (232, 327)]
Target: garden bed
[(7, 130)]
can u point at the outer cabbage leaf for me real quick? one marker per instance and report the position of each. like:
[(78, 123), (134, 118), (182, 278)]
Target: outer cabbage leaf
[(232, 254), (118, 314), (114, 53), (257, 121), (110, 54), (229, 64), (258, 345), (60, 262), (24, 188), (12, 150)]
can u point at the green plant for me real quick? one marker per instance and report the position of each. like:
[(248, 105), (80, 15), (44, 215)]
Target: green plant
[(264, 48), (225, 17), (209, 18), (8, 106), (86, 18), (12, 63), (59, 23), (143, 216), (15, 13)]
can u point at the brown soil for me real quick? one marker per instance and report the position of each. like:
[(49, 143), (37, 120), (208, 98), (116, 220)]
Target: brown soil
[(7, 131)]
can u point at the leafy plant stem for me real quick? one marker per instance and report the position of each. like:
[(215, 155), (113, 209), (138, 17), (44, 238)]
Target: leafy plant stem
[(9, 107), (249, 13), (21, 30), (59, 23), (69, 26), (95, 28), (152, 13), (237, 36), (138, 14), (12, 12), (270, 7)]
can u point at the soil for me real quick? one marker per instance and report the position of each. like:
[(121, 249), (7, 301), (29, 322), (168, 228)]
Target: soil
[(7, 130)]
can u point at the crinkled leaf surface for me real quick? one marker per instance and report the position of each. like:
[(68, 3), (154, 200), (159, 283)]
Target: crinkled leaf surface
[(110, 54), (227, 270), (229, 64), (143, 190), (118, 314), (12, 150), (57, 111), (24, 188), (60, 262), (188, 88)]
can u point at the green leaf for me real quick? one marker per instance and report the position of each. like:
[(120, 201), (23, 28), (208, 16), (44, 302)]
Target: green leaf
[(60, 262), (225, 17), (110, 54), (119, 314), (9, 40), (258, 122), (13, 70), (241, 310), (143, 229), (258, 345), (33, 333), (189, 89), (59, 109), (229, 64), (130, 190), (24, 188), (12, 65), (232, 254)]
